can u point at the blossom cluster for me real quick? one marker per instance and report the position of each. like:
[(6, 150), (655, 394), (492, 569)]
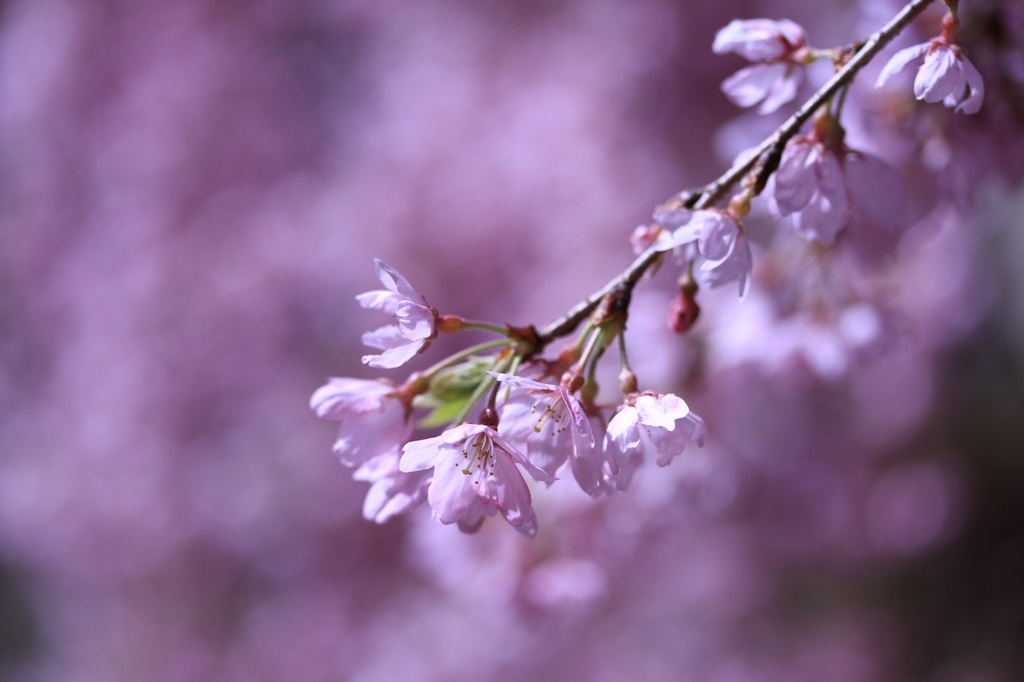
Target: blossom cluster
[(193, 194), (474, 469), (505, 410)]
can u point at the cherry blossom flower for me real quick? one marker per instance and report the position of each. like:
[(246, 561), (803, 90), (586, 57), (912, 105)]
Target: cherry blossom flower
[(736, 267), (374, 420), (945, 75), (392, 491), (825, 187), (659, 232), (475, 474), (715, 240), (778, 46), (662, 424), (415, 321), (554, 427), (810, 185)]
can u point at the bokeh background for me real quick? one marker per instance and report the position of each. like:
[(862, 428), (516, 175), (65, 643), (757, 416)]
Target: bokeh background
[(191, 194)]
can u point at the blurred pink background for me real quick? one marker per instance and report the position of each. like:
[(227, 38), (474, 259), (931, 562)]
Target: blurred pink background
[(191, 194)]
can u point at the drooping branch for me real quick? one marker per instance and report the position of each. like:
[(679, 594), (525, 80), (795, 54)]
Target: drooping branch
[(764, 159)]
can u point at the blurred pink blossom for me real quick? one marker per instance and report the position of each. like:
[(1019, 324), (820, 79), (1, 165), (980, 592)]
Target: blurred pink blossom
[(715, 240), (778, 46), (810, 184), (374, 420)]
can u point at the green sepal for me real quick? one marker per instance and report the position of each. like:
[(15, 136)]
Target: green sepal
[(450, 390)]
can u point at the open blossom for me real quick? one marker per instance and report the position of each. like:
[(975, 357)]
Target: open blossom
[(715, 240), (659, 233), (475, 473), (647, 423), (826, 186), (374, 420), (415, 324), (810, 185), (392, 491), (945, 75), (555, 428), (778, 47)]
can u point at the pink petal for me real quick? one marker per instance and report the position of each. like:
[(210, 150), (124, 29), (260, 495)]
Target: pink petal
[(718, 237), (579, 417), (512, 497), (668, 445), (521, 459), (586, 469), (391, 357), (522, 382), (391, 496), (976, 87), (694, 428), (378, 299), (393, 281), (451, 494), (792, 31), (673, 218), (420, 454), (752, 84), (899, 61), (758, 39), (736, 268), (781, 92), (939, 75), (794, 180), (343, 397), (661, 412), (623, 429)]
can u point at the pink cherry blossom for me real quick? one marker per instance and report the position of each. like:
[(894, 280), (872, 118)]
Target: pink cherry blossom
[(662, 424), (810, 185), (736, 267), (759, 40), (554, 427), (475, 474), (778, 47), (771, 85), (415, 323), (827, 187), (715, 240), (945, 75), (659, 232), (374, 420), (392, 491)]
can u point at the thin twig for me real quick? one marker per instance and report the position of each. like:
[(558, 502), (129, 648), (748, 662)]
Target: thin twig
[(714, 191)]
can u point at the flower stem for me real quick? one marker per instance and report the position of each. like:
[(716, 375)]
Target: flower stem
[(462, 355), (497, 329)]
